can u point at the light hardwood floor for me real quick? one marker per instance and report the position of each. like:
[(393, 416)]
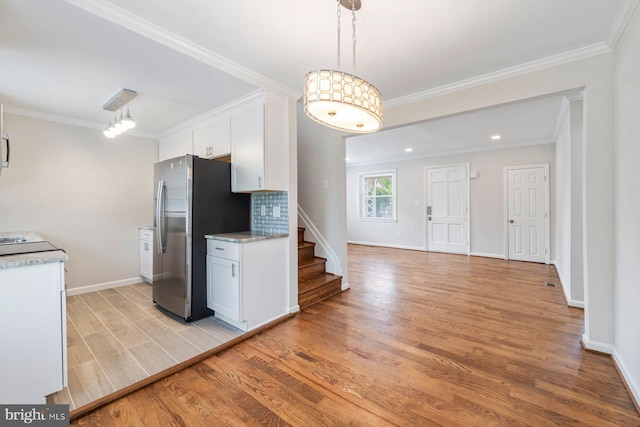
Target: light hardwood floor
[(421, 339), (117, 337)]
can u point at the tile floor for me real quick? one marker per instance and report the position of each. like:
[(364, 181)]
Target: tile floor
[(118, 336)]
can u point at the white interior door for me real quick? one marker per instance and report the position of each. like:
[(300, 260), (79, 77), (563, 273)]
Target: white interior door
[(447, 209), (527, 213)]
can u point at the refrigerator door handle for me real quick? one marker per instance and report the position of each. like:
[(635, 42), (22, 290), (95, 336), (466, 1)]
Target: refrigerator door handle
[(160, 216)]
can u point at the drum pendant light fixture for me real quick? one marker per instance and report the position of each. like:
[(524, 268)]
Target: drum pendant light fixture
[(340, 100)]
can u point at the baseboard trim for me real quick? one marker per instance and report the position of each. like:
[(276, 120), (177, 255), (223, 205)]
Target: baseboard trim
[(385, 245), (295, 309), (598, 347), (576, 304), (485, 255), (345, 286), (627, 380), (102, 286)]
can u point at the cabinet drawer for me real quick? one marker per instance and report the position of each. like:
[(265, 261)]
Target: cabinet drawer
[(146, 235), (220, 248)]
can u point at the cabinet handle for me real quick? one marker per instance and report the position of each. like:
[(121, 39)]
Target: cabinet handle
[(233, 270)]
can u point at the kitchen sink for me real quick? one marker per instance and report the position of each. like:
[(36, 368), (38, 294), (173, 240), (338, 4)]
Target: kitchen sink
[(13, 239)]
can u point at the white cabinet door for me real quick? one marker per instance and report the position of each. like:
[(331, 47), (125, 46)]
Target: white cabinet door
[(32, 333), (168, 148), (202, 141), (223, 287), (146, 259), (221, 136), (146, 254), (247, 149)]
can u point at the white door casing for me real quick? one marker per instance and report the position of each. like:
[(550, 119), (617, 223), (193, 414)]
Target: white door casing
[(447, 208), (527, 213)]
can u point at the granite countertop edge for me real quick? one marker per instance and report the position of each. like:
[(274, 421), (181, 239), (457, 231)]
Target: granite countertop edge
[(245, 236), (146, 227), (25, 260)]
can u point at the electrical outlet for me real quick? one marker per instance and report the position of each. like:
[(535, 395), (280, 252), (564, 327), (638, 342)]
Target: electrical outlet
[(263, 210)]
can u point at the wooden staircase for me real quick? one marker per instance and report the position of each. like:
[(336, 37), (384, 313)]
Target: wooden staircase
[(314, 283)]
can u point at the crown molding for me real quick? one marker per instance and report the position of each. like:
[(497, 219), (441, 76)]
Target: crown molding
[(518, 70), (620, 22), (453, 152), (17, 111), (125, 19), (188, 124)]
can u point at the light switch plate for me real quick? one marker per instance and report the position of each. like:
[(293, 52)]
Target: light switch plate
[(276, 211)]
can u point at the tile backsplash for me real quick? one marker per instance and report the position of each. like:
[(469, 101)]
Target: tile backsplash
[(265, 210)]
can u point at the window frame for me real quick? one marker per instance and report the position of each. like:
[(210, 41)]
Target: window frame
[(391, 173)]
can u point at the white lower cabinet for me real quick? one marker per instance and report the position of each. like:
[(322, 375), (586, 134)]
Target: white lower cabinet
[(33, 333), (247, 284), (224, 293), (146, 254)]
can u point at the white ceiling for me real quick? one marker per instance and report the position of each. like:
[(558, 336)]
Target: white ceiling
[(63, 60)]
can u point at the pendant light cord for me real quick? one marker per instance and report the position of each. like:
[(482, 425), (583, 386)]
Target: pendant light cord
[(353, 23), (339, 13)]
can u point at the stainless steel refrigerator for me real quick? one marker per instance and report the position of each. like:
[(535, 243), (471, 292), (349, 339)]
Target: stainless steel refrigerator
[(192, 198)]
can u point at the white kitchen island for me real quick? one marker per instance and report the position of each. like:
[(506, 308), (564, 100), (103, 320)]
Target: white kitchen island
[(32, 324)]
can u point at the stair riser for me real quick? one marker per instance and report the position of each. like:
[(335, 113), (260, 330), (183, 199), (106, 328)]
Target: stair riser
[(308, 298), (311, 270), (305, 253), (300, 235)]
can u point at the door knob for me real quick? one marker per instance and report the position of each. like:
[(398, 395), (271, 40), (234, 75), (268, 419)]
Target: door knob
[(510, 221)]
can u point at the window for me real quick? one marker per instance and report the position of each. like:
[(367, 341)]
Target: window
[(377, 195)]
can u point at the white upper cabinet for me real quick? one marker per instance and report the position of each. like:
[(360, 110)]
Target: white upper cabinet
[(259, 155), (254, 131), (221, 135), (175, 145), (212, 138)]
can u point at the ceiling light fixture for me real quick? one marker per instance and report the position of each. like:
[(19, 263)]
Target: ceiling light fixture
[(495, 137), (126, 122), (408, 150), (340, 100)]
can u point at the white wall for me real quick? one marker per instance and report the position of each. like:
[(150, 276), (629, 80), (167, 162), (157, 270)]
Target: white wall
[(486, 198), (562, 253), (321, 154), (83, 192), (627, 265)]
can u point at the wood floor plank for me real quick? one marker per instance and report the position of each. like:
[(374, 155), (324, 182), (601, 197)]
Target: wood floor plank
[(218, 328), (84, 319), (96, 302), (133, 294), (176, 346), (88, 382), (130, 309), (152, 357), (200, 338), (121, 368), (124, 329), (419, 339), (77, 351)]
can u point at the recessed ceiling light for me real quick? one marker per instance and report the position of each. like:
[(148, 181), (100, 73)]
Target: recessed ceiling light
[(496, 137), (408, 150), (347, 159)]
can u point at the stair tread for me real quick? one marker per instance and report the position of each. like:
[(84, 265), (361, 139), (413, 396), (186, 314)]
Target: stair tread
[(316, 281), (311, 261)]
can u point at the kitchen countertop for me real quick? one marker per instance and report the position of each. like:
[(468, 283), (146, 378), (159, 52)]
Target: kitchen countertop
[(245, 236), (23, 260), (145, 227)]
